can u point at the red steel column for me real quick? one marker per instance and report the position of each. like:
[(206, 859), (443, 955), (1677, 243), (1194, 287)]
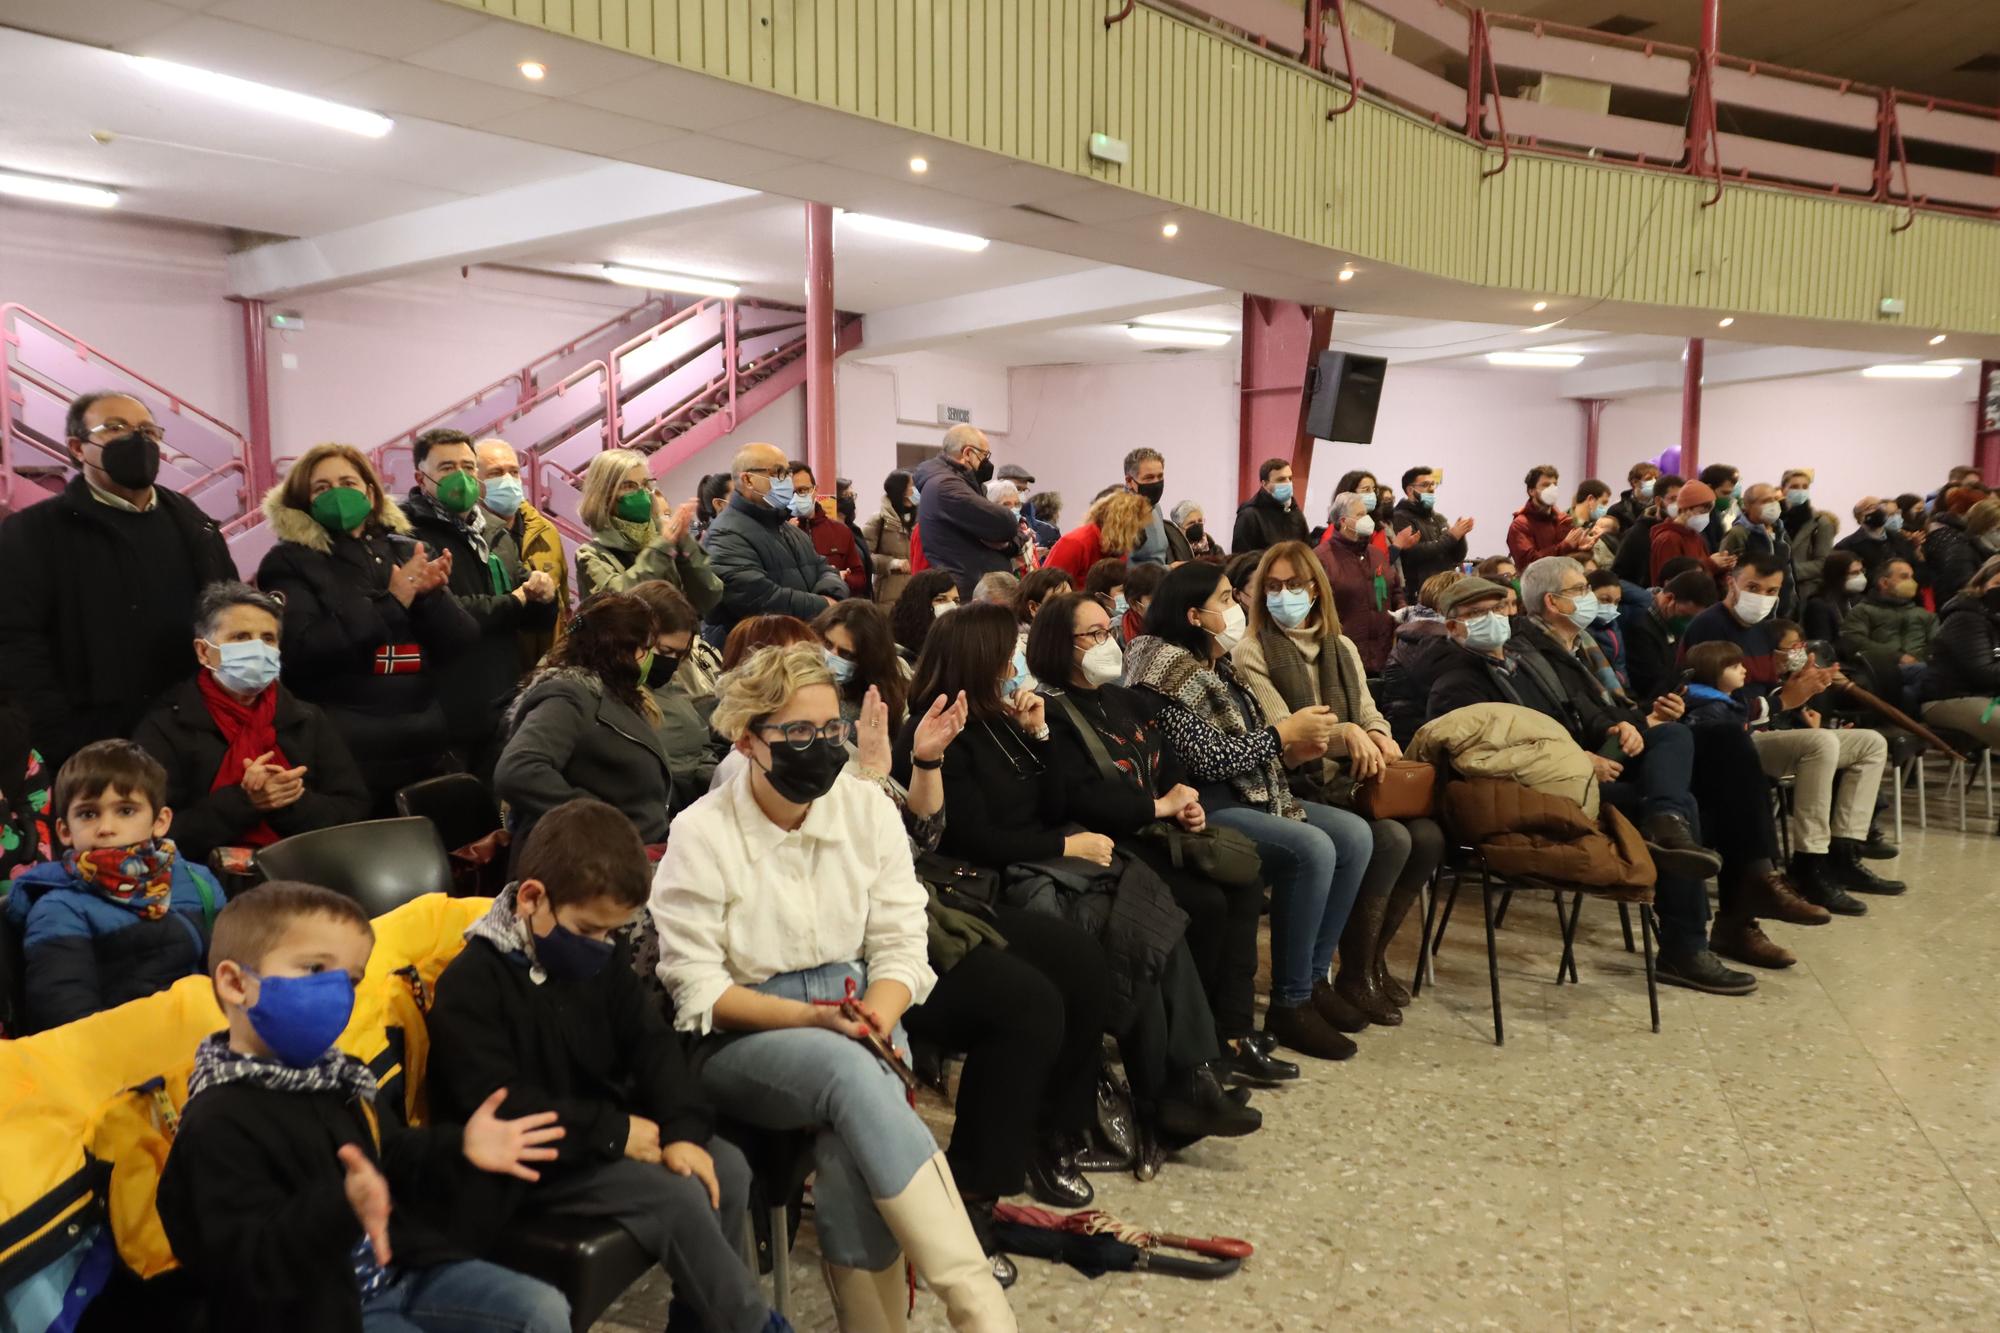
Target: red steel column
[(1593, 417), (1281, 343), (1986, 423), (1691, 410), (820, 449), (260, 471)]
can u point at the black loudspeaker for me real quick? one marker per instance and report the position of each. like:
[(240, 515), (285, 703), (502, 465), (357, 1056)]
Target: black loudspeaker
[(1346, 390)]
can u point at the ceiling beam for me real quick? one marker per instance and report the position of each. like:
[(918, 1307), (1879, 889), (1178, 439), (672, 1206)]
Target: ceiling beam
[(1103, 294), (578, 210), (1741, 367)]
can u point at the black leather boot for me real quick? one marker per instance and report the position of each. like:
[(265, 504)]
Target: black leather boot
[(1853, 872)]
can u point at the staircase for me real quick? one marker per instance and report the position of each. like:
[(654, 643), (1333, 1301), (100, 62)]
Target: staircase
[(663, 378)]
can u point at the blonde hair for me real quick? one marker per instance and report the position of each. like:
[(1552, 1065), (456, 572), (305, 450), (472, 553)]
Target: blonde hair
[(1120, 516), (1302, 559), (297, 488), (600, 485), (761, 685), (1983, 517)]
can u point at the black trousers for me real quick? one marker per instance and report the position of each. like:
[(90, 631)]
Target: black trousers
[(1735, 799), (1030, 1020), (1221, 936), (1172, 1033)]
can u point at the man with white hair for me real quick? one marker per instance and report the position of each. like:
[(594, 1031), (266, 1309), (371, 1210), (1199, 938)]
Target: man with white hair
[(962, 532), (504, 507)]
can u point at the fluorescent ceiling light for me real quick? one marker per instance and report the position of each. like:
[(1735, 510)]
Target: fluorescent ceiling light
[(1935, 341), (1725, 321), (1543, 360), (914, 231), (1540, 306), (1182, 322), (533, 70), (669, 282), (263, 97), (56, 192), (1911, 370), (1153, 333)]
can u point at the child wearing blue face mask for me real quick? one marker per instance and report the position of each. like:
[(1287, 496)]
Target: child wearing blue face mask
[(289, 1196), (543, 1003)]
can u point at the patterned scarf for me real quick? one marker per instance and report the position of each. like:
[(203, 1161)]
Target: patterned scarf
[(507, 933), (1209, 694), (337, 1071), (138, 877)]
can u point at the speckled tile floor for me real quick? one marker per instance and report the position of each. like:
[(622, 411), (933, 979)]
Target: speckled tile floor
[(1822, 1155)]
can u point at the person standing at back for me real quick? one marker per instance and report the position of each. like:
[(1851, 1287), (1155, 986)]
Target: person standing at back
[(1541, 527), (1270, 516), (830, 536), (105, 575), (964, 533), (887, 535), (1161, 542), (504, 507), (766, 563), (1440, 543)]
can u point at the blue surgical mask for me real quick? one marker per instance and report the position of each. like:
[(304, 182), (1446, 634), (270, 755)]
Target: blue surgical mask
[(1282, 492), (1894, 523), (1290, 607), (1798, 496), (1118, 605), (246, 667), (842, 669), (1487, 632), (1583, 610), (779, 497), (1427, 499), (504, 496), (803, 504), (300, 1018), (1017, 677), (1600, 510), (1368, 501), (1607, 612)]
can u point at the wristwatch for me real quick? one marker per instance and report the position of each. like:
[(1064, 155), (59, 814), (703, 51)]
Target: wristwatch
[(927, 765)]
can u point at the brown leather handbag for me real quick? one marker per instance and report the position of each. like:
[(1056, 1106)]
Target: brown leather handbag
[(1403, 789)]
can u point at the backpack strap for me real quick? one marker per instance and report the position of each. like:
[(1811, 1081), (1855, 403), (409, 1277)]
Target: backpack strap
[(1091, 740)]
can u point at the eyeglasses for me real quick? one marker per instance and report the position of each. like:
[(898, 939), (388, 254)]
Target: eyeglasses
[(1090, 638), (800, 735), (1288, 585), (1573, 593), (152, 430), (772, 472)]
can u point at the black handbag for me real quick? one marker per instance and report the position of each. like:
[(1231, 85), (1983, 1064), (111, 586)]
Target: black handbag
[(969, 888)]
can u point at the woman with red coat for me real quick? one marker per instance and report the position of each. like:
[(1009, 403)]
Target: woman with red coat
[(1110, 533), (1366, 583)]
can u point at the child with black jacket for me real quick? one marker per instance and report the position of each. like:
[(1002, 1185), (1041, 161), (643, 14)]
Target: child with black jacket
[(543, 1003), (292, 1205)]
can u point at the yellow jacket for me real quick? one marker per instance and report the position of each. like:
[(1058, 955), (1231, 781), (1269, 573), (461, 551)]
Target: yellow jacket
[(542, 548)]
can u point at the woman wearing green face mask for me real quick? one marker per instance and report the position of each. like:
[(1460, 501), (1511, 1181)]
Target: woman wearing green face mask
[(635, 537), (367, 614)]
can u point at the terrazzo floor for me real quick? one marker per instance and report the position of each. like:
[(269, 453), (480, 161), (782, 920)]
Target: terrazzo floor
[(1824, 1154)]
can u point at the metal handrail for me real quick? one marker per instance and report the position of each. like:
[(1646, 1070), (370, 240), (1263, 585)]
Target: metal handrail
[(1354, 80)]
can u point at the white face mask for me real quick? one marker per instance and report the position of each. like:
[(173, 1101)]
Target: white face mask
[(1233, 622), (1696, 522), (1672, 509), (1767, 513), (1364, 526), (1752, 607), (942, 608), (1548, 495), (1857, 581), (1104, 664)]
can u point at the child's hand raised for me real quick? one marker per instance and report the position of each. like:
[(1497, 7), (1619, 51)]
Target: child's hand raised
[(505, 1147), (691, 1159), (368, 1196)]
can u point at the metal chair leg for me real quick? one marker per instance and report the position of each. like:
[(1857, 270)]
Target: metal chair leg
[(1424, 948), (1568, 963), (1652, 982), (1492, 954), (1923, 795), (1896, 793), (1437, 940), (1625, 924), (1506, 900), (1425, 959), (781, 1261)]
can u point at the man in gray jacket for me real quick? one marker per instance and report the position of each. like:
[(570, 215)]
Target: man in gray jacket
[(766, 564), (961, 531)]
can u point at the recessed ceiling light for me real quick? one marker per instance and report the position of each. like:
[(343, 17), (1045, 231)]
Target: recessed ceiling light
[(263, 97), (533, 70), (56, 192), (1911, 370), (1725, 321), (1182, 337), (1183, 322), (898, 230), (1540, 360), (1171, 230), (1935, 341), (1540, 306), (919, 165), (1346, 274), (629, 276)]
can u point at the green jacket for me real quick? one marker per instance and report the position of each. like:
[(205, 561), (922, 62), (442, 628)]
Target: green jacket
[(608, 562), (1880, 623)]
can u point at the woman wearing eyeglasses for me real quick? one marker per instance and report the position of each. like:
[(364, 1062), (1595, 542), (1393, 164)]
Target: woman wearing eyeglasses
[(584, 725), (635, 537), (784, 891)]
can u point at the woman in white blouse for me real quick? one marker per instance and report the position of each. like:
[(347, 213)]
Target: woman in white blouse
[(780, 890)]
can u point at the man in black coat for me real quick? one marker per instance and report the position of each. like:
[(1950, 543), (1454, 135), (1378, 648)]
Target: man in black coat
[(1272, 515), (962, 532), (490, 582), (105, 577), (1441, 542), (1652, 630), (767, 564)]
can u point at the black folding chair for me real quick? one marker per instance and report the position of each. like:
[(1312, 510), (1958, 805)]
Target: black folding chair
[(380, 863)]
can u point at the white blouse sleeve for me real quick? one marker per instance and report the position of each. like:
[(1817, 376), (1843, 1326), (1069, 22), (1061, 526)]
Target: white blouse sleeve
[(687, 907), (896, 942)]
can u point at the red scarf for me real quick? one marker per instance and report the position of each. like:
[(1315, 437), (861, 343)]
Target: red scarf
[(248, 730)]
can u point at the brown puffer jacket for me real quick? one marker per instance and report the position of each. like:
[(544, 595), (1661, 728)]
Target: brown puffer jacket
[(1523, 832)]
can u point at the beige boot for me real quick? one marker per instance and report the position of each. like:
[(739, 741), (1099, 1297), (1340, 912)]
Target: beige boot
[(929, 1221), (867, 1302)]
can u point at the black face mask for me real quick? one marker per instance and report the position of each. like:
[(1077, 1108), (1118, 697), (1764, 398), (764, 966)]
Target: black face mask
[(131, 460), (1152, 490), (1194, 532), (1875, 520), (984, 472), (845, 506), (803, 776)]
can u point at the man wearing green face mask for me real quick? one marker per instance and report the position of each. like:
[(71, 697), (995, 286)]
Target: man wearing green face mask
[(495, 588)]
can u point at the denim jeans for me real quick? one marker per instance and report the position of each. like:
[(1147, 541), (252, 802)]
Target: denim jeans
[(1662, 775), (870, 1142), (471, 1296), (1315, 867)]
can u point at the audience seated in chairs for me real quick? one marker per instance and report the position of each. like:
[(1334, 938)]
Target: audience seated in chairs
[(584, 725), (247, 762), (1964, 674), (788, 887), (368, 617), (1294, 655)]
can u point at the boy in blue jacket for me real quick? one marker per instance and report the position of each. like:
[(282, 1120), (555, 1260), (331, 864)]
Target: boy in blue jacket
[(121, 915), (1716, 671)]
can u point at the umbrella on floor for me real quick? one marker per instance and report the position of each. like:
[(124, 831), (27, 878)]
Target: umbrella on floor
[(1095, 1243)]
